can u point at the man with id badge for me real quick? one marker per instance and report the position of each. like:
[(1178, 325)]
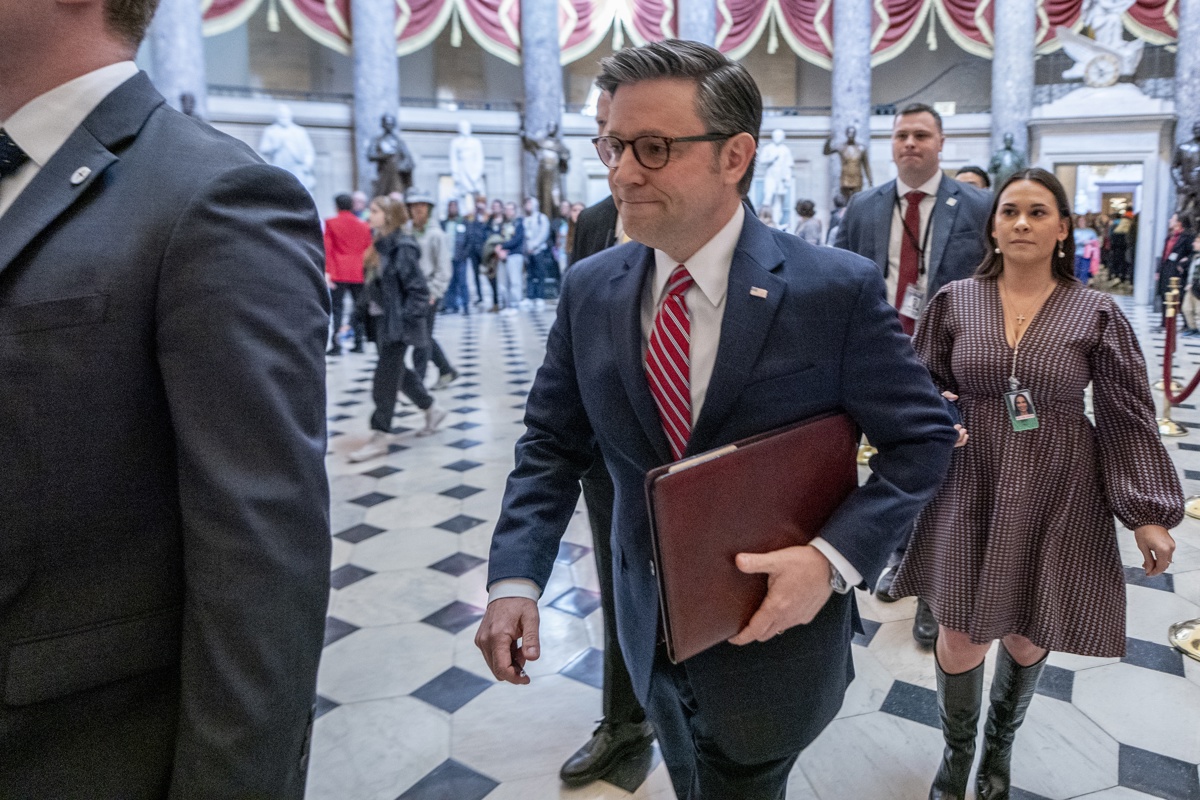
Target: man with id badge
[(923, 230)]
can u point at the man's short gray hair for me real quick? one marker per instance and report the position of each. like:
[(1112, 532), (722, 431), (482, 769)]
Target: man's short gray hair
[(727, 99)]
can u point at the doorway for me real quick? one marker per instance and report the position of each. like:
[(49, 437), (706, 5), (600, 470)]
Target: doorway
[(1109, 197)]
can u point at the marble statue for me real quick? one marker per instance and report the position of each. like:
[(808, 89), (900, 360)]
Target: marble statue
[(1005, 162), (466, 166), (775, 162), (1100, 51), (855, 164), (1185, 170), (392, 159), (287, 145), (552, 161)]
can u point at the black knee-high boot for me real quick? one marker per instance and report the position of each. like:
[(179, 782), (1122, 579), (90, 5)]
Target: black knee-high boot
[(958, 701), (1013, 688)]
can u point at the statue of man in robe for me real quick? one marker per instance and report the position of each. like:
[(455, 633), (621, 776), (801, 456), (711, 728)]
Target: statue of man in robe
[(393, 161), (466, 166), (553, 159), (1006, 161), (776, 162), (1185, 170), (855, 164), (287, 145)]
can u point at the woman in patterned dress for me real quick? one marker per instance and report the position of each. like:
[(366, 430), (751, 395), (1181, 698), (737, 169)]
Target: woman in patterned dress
[(1020, 545)]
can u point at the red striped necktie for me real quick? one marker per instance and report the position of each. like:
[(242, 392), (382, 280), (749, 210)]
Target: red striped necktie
[(668, 362), (910, 255)]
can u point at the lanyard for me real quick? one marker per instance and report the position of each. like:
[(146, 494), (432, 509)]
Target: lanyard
[(923, 245)]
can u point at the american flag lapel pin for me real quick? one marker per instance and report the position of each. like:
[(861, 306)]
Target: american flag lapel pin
[(951, 201), (757, 292)]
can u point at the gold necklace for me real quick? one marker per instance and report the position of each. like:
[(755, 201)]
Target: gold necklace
[(1036, 304)]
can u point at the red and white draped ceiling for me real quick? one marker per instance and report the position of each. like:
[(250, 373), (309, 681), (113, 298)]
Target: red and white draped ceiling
[(805, 25)]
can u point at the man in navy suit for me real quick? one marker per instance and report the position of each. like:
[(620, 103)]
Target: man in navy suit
[(929, 224), (164, 548), (779, 331)]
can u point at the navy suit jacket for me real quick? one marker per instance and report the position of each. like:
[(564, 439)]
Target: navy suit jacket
[(823, 338), (164, 546), (956, 243)]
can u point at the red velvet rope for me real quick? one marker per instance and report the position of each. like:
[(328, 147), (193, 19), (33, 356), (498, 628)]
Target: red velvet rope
[(1168, 356)]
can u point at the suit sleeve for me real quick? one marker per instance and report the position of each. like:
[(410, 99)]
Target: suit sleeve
[(551, 457), (242, 314), (890, 395), (842, 240)]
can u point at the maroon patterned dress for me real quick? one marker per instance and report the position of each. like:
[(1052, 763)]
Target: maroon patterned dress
[(1021, 539)]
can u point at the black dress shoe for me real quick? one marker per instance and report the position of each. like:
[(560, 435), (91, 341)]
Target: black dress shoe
[(609, 744), (334, 351), (883, 587), (925, 627)]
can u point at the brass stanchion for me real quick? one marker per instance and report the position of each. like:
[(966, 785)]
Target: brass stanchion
[(1166, 425), (1185, 637), (1176, 386), (865, 451), (1192, 506)]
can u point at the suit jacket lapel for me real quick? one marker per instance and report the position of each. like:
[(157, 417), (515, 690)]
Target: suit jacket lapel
[(626, 316), (744, 327), (884, 202), (77, 165), (942, 218)]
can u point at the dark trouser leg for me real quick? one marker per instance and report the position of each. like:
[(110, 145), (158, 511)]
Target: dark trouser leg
[(1013, 687), (337, 298), (420, 355), (495, 290), (388, 371), (620, 703), (537, 269), (958, 703), (356, 290), (478, 284), (698, 768)]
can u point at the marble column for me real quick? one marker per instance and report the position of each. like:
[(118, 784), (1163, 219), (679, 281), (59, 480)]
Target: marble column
[(177, 53), (851, 80), (542, 71), (1012, 72), (698, 21), (1187, 70), (376, 77)]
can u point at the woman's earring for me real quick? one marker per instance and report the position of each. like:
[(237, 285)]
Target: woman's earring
[(1061, 254), (997, 251)]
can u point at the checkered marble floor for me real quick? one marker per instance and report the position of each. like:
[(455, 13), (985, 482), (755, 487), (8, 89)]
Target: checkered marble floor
[(408, 710)]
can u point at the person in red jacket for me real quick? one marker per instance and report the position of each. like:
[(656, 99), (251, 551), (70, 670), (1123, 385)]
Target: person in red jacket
[(346, 241)]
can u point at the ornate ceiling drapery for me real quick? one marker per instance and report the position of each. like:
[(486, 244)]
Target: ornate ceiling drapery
[(806, 26)]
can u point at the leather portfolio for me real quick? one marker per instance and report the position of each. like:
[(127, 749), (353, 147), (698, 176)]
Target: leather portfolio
[(765, 493)]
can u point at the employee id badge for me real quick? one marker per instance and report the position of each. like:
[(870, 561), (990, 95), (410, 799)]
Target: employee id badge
[(914, 301), (1021, 412)]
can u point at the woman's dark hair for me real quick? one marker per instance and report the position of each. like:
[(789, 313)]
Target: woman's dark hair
[(806, 209), (1061, 267), (973, 170)]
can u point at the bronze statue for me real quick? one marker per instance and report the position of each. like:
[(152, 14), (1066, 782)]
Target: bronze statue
[(855, 164), (552, 161), (1005, 162), (1185, 169), (393, 161)]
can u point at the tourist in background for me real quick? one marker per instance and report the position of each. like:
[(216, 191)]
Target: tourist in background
[(346, 242), (808, 227), (436, 253), (458, 295), (1085, 242)]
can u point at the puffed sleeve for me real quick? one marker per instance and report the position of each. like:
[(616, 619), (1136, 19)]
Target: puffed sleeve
[(1139, 478), (934, 340)]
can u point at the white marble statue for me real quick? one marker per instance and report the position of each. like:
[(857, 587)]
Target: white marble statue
[(466, 166), (287, 145), (1100, 51), (776, 162)]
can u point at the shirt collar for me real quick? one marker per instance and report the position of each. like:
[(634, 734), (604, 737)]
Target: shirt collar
[(709, 267), (929, 187), (43, 125)]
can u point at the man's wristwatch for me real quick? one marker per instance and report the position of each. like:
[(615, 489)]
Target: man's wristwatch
[(837, 581)]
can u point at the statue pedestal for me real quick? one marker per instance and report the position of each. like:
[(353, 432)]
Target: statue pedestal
[(1115, 125)]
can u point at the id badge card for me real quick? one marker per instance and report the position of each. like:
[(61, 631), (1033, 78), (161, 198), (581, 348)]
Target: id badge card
[(914, 301), (1021, 412)]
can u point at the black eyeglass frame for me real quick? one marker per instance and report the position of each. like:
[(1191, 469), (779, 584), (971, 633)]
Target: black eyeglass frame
[(668, 140)]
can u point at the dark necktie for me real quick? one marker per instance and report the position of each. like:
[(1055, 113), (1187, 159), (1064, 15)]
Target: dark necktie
[(12, 157), (668, 362), (910, 256)]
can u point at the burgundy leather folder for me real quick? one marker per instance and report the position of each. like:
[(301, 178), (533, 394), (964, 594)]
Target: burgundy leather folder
[(764, 493)]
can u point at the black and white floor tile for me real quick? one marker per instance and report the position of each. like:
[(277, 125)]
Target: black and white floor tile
[(408, 710)]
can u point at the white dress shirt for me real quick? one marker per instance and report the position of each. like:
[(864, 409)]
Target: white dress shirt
[(43, 125), (924, 235), (709, 268)]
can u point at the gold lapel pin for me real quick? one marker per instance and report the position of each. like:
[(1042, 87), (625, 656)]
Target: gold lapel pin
[(80, 175), (951, 201), (757, 292)]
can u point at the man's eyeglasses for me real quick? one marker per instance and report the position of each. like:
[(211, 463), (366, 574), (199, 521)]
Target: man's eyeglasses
[(652, 152)]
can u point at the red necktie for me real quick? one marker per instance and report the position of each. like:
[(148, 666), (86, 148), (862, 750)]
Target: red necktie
[(668, 362), (910, 257)]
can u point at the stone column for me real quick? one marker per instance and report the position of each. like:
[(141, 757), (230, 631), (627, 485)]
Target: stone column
[(851, 80), (376, 77), (698, 21), (1187, 70), (542, 71), (177, 53), (1012, 72)]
